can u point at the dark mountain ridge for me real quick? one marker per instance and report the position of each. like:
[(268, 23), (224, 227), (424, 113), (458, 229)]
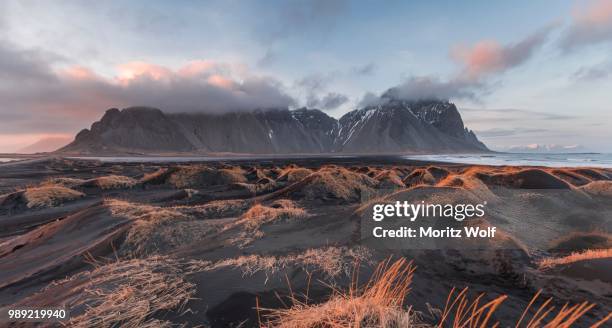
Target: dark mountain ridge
[(393, 127)]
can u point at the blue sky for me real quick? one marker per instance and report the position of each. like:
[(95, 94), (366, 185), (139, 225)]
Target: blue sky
[(521, 72)]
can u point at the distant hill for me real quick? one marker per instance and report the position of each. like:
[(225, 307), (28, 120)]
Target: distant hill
[(45, 145), (396, 126)]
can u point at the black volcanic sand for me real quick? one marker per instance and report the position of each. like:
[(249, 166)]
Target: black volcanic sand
[(241, 232)]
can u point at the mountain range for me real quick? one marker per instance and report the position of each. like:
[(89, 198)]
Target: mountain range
[(393, 126)]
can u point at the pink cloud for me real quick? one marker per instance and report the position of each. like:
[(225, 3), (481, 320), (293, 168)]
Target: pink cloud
[(221, 82), (490, 56), (595, 13), (45, 99), (198, 67), (482, 58), (591, 24), (78, 73), (135, 69)]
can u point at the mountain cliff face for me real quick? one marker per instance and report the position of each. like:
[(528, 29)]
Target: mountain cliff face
[(393, 127)]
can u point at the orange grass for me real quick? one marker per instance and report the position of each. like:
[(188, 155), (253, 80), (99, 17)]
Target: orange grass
[(590, 254), (381, 304), (378, 304)]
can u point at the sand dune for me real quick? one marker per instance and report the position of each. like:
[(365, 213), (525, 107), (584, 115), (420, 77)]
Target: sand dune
[(227, 236)]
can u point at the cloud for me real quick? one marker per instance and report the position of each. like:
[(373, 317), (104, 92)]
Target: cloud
[(591, 24), (502, 132), (329, 101), (488, 56), (418, 88), (60, 98), (597, 72), (430, 88), (546, 148), (269, 58), (314, 82), (364, 70), (315, 86), (302, 17), (496, 115), (477, 64), (28, 65)]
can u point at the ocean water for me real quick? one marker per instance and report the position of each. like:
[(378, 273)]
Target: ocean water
[(6, 159), (184, 159), (524, 159), (551, 160)]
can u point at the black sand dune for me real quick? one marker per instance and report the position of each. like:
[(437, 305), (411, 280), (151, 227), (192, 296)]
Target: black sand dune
[(204, 243)]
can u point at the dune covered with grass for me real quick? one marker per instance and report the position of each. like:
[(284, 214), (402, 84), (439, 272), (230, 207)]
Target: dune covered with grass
[(285, 243)]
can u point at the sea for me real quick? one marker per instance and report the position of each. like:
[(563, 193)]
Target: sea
[(524, 159), (499, 159)]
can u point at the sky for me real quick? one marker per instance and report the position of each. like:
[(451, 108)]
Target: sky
[(520, 72)]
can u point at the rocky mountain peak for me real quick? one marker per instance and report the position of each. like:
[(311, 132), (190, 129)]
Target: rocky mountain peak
[(395, 126)]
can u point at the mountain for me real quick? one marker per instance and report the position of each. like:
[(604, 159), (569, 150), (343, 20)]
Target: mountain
[(393, 127), (45, 145), (405, 126)]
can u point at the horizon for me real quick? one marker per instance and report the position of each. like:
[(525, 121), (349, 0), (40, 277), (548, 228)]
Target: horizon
[(544, 81)]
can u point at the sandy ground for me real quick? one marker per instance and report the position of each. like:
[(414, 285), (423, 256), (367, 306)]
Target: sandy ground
[(222, 238)]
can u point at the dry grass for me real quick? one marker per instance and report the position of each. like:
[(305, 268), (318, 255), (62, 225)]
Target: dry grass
[(157, 177), (590, 254), (379, 304), (154, 229), (258, 188), (475, 313), (419, 177), (128, 293), (103, 182), (338, 183), (279, 210), (49, 196), (468, 313), (599, 188), (389, 179), (114, 182), (259, 215), (293, 174), (157, 229), (565, 317), (197, 175), (332, 261), (216, 209)]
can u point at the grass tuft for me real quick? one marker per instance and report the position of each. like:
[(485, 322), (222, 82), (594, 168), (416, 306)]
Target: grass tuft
[(379, 304), (49, 196), (590, 254)]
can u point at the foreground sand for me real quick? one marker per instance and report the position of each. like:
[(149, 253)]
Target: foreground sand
[(208, 243)]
